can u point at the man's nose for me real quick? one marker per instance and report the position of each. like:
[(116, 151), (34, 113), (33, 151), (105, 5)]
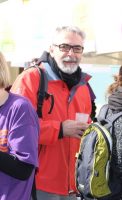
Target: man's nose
[(71, 51)]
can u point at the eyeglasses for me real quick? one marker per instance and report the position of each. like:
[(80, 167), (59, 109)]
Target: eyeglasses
[(67, 47)]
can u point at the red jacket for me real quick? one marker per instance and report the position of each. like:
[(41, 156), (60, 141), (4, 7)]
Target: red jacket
[(56, 172)]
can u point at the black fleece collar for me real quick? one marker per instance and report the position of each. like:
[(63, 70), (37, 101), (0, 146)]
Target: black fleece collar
[(69, 79)]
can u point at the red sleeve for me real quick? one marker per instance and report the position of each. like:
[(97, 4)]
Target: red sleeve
[(49, 132)]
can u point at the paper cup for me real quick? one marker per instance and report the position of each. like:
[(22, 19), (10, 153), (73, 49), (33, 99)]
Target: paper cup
[(82, 117)]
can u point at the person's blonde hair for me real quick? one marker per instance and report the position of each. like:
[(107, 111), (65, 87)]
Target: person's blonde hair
[(4, 72), (117, 82)]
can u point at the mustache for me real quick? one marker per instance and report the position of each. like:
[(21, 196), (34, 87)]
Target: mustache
[(68, 59)]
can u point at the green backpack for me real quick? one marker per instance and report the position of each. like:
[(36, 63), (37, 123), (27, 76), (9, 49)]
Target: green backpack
[(94, 157)]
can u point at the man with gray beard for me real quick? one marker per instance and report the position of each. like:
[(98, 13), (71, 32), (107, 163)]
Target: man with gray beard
[(60, 131)]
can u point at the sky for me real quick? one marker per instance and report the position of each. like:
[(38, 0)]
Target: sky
[(102, 77)]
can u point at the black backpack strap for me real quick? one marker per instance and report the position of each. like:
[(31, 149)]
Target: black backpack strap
[(42, 92)]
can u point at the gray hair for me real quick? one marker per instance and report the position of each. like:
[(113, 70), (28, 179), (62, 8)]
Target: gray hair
[(73, 29), (4, 72)]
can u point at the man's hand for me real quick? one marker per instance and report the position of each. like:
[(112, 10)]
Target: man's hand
[(73, 128)]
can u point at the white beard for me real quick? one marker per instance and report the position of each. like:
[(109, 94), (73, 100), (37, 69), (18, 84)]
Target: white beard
[(67, 69)]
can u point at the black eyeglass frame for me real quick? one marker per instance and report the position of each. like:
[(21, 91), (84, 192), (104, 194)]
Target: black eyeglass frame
[(66, 48)]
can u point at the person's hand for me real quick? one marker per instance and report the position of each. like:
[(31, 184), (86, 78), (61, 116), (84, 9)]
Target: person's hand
[(73, 128)]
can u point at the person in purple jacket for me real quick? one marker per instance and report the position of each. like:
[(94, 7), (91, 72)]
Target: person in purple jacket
[(19, 131)]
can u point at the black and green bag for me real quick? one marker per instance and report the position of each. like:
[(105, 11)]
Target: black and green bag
[(94, 157)]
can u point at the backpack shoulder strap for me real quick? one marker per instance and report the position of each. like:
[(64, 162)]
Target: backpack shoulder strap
[(115, 116), (42, 92), (43, 84), (107, 122), (102, 113)]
